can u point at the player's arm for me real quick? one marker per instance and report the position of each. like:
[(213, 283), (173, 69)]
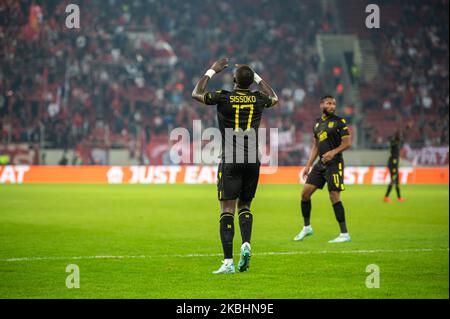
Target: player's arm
[(266, 89), (200, 89), (311, 160), (346, 142)]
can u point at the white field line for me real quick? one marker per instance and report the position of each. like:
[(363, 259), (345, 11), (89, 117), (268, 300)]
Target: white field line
[(373, 251)]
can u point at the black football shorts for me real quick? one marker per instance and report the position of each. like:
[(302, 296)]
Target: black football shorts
[(237, 180), (331, 173)]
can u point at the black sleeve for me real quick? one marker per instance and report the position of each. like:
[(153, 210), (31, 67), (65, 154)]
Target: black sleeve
[(212, 98), (343, 128)]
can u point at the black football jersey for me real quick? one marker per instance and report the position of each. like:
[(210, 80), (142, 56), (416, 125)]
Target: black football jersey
[(328, 133), (239, 113), (394, 147)]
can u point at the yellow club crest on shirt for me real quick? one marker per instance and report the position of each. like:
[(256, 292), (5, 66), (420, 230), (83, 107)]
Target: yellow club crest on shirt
[(323, 136), (330, 124)]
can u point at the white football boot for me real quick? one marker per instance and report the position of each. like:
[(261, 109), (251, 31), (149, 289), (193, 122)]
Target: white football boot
[(342, 238), (226, 268), (306, 231)]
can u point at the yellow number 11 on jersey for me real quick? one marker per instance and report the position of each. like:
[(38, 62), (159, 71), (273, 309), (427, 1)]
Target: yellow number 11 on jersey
[(236, 116)]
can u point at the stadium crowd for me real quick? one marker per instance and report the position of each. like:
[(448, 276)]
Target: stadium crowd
[(125, 77), (413, 83)]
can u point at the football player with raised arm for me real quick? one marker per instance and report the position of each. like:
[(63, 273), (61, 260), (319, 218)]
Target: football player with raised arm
[(239, 111)]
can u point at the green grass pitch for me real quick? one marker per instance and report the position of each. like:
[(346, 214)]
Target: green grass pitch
[(158, 230)]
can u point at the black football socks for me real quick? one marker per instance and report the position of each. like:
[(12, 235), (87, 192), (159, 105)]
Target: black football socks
[(245, 223), (397, 188), (306, 212), (340, 216), (388, 190), (227, 234)]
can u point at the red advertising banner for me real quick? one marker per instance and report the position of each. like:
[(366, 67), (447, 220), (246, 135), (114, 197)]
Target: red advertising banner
[(23, 174)]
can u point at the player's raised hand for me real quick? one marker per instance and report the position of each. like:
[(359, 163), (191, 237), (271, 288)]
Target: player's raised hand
[(239, 65), (220, 65)]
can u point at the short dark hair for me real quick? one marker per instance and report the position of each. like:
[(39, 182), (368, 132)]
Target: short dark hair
[(323, 98), (244, 76)]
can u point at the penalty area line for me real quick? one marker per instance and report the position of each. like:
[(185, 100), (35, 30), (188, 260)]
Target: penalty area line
[(272, 253)]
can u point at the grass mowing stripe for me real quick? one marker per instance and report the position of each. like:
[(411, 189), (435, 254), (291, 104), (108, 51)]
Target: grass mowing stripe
[(271, 253)]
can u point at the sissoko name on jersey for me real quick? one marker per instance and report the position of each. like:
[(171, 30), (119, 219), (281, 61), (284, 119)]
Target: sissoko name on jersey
[(239, 116)]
